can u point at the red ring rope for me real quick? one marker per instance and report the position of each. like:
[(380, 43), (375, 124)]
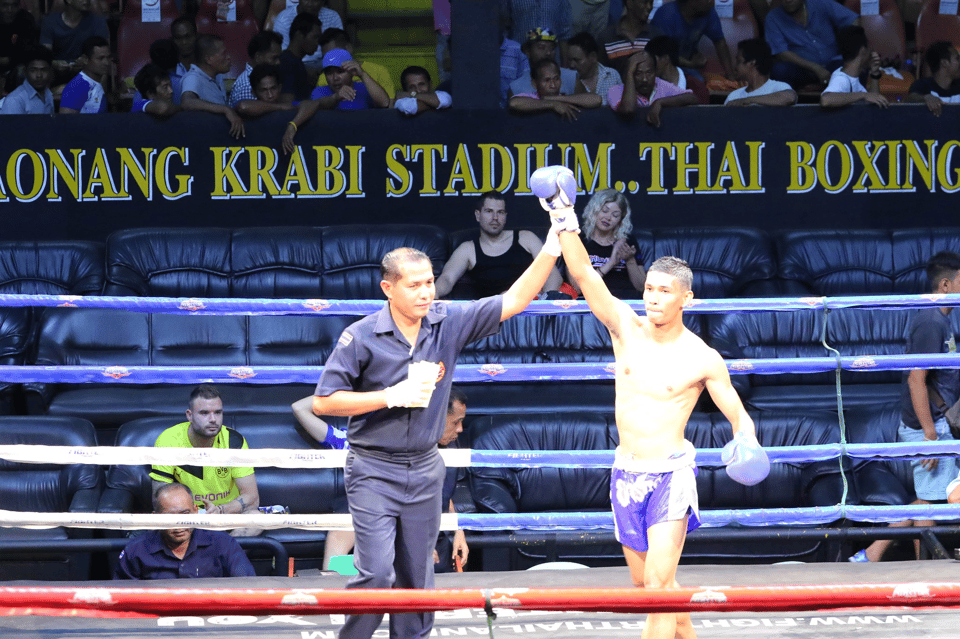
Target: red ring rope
[(205, 601)]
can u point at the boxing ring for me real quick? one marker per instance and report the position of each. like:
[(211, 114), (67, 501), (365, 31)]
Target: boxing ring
[(888, 599)]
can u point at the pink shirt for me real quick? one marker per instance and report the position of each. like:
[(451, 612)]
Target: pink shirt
[(662, 89)]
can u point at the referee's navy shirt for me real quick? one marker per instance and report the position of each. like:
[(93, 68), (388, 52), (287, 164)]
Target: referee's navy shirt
[(372, 354)]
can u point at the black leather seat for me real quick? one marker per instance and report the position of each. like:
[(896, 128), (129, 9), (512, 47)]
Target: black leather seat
[(516, 490), (303, 491), (48, 488)]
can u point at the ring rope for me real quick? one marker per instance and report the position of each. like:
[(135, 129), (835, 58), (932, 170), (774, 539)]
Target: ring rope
[(843, 423), (473, 373), (453, 457), (549, 521), (259, 306), (218, 601)]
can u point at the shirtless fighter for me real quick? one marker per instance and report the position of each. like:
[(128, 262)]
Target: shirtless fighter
[(661, 369)]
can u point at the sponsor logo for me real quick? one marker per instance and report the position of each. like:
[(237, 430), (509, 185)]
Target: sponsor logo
[(92, 595), (708, 596), (565, 304), (317, 305), (116, 372), (298, 599), (492, 369), (741, 365), (504, 601), (441, 372), (242, 372), (864, 362), (610, 368), (192, 304), (811, 301), (68, 301), (934, 297), (222, 471), (912, 590)]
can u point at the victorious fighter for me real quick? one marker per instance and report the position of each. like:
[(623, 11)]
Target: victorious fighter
[(661, 369)]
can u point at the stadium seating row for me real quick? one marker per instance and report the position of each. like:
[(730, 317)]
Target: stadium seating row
[(343, 262), (84, 488)]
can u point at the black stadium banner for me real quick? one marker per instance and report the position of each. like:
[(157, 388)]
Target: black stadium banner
[(861, 167)]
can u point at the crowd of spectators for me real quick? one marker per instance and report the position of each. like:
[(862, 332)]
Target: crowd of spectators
[(596, 50)]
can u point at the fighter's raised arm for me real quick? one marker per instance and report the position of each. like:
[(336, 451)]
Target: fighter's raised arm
[(557, 189)]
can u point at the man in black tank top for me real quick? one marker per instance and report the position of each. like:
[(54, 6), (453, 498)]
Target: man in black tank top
[(497, 257)]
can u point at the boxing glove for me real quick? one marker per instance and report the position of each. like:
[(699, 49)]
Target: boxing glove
[(555, 184), (747, 462)]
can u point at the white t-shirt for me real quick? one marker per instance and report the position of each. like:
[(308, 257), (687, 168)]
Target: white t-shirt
[(768, 87), (840, 82)]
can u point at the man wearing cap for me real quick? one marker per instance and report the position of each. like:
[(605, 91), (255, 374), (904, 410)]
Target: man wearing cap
[(341, 92), (345, 91), (541, 44)]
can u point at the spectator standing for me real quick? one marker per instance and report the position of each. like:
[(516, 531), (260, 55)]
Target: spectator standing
[(221, 490), (802, 36), (265, 79), (64, 32), (497, 257), (33, 97), (264, 48), (295, 81), (85, 93), (754, 62), (642, 88), (629, 34), (541, 44), (156, 91), (943, 85), (18, 33), (341, 92), (666, 57), (612, 250), (339, 39), (545, 76), (926, 395), (512, 62), (181, 553), (418, 93), (582, 57), (441, 26), (203, 88), (687, 21), (317, 8), (589, 15), (524, 16), (183, 32), (844, 87)]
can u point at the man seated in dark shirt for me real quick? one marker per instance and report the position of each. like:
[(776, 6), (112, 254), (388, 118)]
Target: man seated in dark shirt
[(496, 258), (941, 86), (181, 553)]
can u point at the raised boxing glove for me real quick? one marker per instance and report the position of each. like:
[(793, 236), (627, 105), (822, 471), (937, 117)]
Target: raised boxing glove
[(555, 186), (747, 462)]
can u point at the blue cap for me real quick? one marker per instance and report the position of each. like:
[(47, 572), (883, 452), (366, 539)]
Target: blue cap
[(336, 58)]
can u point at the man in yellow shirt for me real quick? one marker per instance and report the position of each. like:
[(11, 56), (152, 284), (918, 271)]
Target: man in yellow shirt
[(216, 489)]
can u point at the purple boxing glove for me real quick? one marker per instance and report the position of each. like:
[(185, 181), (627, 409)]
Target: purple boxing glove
[(555, 186), (747, 462), (557, 189)]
